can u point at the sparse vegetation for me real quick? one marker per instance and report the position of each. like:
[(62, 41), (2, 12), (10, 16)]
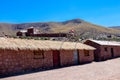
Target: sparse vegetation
[(80, 26)]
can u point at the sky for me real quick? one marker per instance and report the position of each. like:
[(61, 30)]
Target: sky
[(101, 12)]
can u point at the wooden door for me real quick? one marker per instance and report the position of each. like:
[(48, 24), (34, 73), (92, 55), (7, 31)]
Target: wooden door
[(112, 53), (76, 57), (56, 58)]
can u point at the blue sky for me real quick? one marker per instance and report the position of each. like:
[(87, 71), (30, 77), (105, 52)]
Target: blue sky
[(101, 12)]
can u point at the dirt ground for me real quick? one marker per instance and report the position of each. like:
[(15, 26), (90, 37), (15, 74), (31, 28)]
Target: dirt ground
[(106, 70)]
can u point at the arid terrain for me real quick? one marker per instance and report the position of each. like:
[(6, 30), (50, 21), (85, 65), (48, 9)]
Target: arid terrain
[(79, 25), (106, 70)]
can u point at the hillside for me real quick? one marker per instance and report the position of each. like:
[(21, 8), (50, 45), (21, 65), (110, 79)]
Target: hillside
[(115, 27), (80, 26)]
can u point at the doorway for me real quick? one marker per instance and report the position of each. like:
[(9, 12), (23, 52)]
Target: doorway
[(112, 52), (56, 58), (76, 57)]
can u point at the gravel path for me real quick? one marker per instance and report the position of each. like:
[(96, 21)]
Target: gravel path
[(106, 70)]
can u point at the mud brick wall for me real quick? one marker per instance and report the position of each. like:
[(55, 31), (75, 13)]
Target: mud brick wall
[(23, 60), (48, 59), (107, 54), (104, 55), (96, 51), (101, 54), (116, 51), (66, 57), (83, 58)]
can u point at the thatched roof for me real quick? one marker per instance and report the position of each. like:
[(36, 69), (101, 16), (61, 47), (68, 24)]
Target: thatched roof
[(23, 44)]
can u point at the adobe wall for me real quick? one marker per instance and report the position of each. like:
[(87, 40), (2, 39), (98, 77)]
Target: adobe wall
[(20, 61), (66, 57), (85, 59), (48, 60), (107, 54), (23, 60), (117, 51), (97, 51), (101, 54)]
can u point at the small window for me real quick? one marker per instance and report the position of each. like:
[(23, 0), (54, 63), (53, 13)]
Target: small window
[(86, 53), (38, 54), (105, 49)]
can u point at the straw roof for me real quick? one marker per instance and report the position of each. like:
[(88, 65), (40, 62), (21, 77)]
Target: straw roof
[(23, 44)]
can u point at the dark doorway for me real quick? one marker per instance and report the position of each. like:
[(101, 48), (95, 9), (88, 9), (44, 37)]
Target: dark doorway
[(112, 52), (76, 57), (56, 58)]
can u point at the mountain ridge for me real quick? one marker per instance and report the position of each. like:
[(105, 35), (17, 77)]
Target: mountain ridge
[(115, 27), (78, 25)]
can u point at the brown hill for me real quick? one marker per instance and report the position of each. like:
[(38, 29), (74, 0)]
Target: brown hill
[(6, 28), (80, 26), (115, 27)]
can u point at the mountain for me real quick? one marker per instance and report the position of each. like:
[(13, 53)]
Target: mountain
[(6, 28), (115, 27), (80, 26)]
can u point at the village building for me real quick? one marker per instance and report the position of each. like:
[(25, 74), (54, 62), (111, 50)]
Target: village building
[(33, 32), (21, 55), (21, 33), (104, 49)]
